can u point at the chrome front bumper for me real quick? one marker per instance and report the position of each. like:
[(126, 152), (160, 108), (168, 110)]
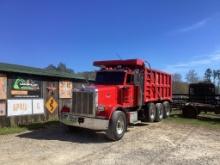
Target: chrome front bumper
[(84, 122)]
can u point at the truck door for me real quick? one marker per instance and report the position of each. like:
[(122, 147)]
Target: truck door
[(129, 92)]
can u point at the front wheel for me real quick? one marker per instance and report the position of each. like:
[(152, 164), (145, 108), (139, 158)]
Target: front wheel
[(117, 126)]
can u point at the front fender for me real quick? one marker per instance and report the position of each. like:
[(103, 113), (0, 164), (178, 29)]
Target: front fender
[(107, 114), (117, 108)]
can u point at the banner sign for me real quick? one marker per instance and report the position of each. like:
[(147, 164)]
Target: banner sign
[(3, 88), (20, 107), (65, 89), (38, 106), (2, 108), (26, 88)]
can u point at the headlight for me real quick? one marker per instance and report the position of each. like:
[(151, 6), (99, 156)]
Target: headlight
[(100, 108)]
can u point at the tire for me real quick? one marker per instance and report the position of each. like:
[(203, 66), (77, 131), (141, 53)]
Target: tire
[(185, 112), (159, 112), (117, 126), (150, 112), (189, 112), (167, 109)]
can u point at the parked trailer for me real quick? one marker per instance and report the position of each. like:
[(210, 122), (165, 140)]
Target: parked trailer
[(201, 98), (125, 92)]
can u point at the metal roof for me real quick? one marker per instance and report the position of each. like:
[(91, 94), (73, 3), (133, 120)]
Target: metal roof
[(14, 68)]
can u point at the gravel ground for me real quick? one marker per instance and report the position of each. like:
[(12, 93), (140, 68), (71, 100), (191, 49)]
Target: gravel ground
[(157, 143)]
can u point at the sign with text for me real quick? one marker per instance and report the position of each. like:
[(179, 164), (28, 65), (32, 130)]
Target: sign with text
[(38, 106), (65, 89), (2, 108), (19, 107), (3, 87), (26, 88)]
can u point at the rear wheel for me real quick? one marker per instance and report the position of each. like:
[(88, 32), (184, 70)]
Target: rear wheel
[(167, 109), (159, 112), (117, 126), (150, 112)]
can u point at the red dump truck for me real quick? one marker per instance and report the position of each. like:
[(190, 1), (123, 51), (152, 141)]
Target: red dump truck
[(125, 92)]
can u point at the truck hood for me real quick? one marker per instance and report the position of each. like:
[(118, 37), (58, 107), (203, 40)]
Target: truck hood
[(107, 94)]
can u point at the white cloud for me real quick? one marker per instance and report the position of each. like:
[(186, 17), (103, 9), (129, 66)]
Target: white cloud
[(199, 63), (194, 26)]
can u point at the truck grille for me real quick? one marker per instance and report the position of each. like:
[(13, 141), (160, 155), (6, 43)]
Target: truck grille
[(84, 103)]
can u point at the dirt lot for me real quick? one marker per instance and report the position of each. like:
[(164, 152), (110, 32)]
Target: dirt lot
[(157, 143)]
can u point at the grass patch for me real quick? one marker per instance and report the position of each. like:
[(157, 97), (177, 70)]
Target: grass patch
[(22, 128), (11, 130), (207, 121)]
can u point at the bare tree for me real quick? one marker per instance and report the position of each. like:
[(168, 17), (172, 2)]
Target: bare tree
[(218, 77), (192, 76), (177, 77), (214, 75), (208, 75), (179, 87)]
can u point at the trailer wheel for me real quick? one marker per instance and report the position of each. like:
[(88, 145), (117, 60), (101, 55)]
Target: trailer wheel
[(159, 112), (189, 112), (117, 126), (185, 112), (150, 112), (167, 109)]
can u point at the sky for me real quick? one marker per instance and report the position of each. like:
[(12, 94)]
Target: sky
[(173, 35)]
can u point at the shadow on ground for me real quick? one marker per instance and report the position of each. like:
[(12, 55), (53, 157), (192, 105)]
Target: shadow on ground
[(59, 132), (209, 117)]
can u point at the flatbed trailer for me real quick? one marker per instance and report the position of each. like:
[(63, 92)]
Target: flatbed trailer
[(201, 98)]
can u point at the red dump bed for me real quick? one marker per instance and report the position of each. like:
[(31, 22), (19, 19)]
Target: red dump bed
[(158, 86)]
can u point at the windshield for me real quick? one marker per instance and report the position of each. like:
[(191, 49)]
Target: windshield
[(110, 77)]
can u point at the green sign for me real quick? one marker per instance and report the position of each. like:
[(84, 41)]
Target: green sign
[(22, 84), (25, 87)]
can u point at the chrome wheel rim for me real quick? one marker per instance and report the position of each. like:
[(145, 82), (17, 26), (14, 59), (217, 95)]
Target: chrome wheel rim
[(161, 113), (168, 112), (120, 126), (151, 114)]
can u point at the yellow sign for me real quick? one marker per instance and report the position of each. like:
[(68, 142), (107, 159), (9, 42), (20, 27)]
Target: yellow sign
[(51, 104)]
